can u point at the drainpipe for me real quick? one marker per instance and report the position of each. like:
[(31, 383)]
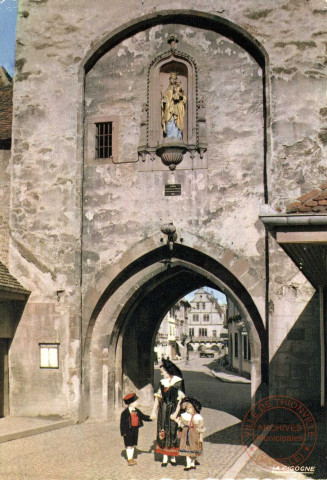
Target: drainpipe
[(322, 348)]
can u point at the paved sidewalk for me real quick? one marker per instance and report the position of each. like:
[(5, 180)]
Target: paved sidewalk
[(12, 428), (203, 365), (229, 377)]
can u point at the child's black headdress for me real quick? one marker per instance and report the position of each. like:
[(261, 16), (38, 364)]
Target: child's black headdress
[(193, 401)]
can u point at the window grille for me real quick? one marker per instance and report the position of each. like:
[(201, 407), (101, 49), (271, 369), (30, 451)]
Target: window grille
[(103, 144)]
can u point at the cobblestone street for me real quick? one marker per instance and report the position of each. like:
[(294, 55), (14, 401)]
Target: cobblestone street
[(94, 451)]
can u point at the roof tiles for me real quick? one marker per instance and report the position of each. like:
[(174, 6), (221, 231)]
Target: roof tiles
[(6, 93), (312, 202), (9, 283)]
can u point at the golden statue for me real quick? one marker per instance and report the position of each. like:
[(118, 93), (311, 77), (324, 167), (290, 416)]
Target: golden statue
[(173, 108)]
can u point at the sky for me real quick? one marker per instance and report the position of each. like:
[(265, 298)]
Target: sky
[(8, 15)]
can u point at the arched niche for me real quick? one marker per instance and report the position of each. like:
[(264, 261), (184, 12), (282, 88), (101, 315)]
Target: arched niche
[(158, 84), (152, 136)]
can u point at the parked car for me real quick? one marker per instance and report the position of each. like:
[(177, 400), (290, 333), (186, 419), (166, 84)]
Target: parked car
[(207, 354)]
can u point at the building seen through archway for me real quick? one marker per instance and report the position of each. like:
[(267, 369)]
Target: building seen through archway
[(204, 333)]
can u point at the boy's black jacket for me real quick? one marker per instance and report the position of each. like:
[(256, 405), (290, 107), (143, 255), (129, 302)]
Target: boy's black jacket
[(125, 420)]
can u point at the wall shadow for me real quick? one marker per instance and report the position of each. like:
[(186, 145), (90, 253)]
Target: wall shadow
[(230, 435), (295, 372)]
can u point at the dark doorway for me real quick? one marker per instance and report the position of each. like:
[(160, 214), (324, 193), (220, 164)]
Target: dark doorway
[(4, 380)]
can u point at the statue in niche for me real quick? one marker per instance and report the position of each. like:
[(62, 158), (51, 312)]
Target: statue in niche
[(173, 108)]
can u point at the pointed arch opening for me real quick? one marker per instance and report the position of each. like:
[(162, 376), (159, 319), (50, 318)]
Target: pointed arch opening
[(119, 345)]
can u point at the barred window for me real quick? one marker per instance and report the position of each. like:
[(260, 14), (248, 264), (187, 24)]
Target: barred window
[(103, 144)]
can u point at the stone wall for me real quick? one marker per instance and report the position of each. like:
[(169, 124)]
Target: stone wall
[(4, 202), (228, 192), (70, 222)]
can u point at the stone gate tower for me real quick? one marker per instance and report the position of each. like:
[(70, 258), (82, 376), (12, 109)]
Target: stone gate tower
[(147, 142)]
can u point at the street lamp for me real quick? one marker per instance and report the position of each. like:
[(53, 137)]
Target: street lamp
[(169, 229)]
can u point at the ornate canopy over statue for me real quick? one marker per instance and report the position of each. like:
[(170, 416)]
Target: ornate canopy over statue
[(171, 124)]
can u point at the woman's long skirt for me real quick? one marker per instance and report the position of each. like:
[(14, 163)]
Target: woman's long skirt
[(167, 430)]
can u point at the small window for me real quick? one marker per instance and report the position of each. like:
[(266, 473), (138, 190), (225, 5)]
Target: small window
[(191, 332), (198, 306), (206, 318), (49, 355), (195, 317), (214, 333), (203, 332), (103, 144)]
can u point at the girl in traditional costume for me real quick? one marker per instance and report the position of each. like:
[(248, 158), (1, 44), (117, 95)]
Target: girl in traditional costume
[(192, 424)]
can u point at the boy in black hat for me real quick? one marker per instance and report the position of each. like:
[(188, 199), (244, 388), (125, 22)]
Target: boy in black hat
[(130, 421)]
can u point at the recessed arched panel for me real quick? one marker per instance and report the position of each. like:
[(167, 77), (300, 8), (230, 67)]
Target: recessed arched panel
[(194, 18), (107, 285)]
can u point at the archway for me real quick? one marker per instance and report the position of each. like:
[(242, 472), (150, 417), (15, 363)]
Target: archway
[(118, 353)]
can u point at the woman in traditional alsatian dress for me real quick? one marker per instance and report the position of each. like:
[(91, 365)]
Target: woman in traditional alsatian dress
[(167, 402)]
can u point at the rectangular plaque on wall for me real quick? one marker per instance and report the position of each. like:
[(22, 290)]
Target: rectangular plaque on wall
[(172, 189)]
